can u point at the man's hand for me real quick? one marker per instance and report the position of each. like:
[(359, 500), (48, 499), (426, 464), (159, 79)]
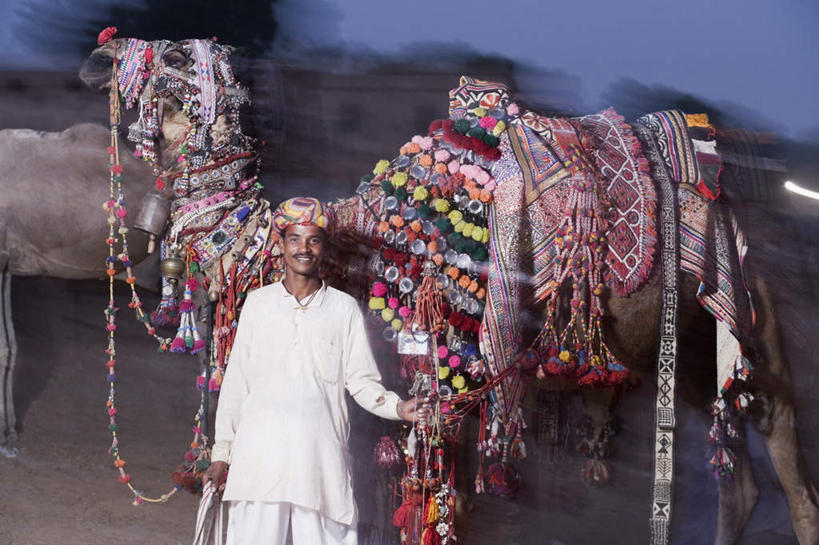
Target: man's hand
[(216, 472), (413, 410)]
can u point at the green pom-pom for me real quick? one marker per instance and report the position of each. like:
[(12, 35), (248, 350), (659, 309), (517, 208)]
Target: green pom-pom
[(144, 318), (477, 132), (401, 193), (454, 238), (424, 210), (480, 254), (113, 427), (491, 140), (367, 178), (202, 464), (387, 187), (194, 267), (462, 126), (469, 245), (118, 178), (443, 225)]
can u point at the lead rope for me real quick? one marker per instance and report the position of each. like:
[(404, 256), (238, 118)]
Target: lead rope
[(662, 489)]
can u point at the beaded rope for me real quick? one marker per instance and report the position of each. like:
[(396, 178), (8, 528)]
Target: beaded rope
[(115, 208)]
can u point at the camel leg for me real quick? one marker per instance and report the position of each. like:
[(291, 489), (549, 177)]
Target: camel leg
[(777, 422), (8, 353), (737, 497)]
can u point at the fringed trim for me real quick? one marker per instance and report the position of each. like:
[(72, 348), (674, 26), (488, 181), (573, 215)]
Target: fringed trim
[(635, 152)]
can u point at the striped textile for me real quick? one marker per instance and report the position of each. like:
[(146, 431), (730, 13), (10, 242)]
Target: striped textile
[(210, 518), (207, 81)]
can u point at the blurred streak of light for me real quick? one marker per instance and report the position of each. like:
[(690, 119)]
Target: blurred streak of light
[(790, 186)]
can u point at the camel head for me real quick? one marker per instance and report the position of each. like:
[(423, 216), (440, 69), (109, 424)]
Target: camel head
[(174, 85)]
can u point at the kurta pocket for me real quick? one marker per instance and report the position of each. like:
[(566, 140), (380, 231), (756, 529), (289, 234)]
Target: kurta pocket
[(328, 360)]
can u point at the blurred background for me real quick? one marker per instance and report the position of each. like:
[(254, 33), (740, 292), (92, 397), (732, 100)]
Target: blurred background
[(335, 87)]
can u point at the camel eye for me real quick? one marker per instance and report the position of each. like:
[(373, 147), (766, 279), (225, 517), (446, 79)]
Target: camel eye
[(174, 58)]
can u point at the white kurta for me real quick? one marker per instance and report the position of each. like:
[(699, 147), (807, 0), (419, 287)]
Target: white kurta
[(282, 422)]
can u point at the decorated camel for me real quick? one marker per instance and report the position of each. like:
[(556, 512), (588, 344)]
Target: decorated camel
[(495, 215)]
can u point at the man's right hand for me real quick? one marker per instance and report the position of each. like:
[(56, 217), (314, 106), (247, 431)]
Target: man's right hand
[(216, 472)]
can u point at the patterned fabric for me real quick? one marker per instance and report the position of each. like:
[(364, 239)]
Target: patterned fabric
[(534, 176), (671, 132), (712, 246), (131, 71), (662, 488), (304, 211), (625, 173), (207, 81)]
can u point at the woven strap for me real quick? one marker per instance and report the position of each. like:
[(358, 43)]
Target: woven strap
[(663, 490), (209, 517)]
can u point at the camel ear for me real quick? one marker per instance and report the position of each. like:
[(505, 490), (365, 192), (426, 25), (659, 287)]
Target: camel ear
[(96, 70)]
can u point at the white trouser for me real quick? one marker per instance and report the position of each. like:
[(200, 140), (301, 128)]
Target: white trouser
[(265, 523)]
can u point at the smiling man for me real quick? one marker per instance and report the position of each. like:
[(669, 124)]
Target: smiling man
[(282, 423)]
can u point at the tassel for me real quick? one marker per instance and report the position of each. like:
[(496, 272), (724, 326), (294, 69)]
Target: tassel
[(187, 336), (428, 306), (596, 472), (167, 313)]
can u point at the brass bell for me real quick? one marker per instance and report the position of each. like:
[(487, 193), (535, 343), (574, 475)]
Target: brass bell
[(153, 216), (172, 267)]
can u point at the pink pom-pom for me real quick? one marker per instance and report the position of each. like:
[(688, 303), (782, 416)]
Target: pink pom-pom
[(192, 284), (482, 177), (454, 166), (379, 289), (404, 311), (442, 352), (112, 411), (121, 213), (454, 361), (425, 143), (488, 122), (512, 109), (442, 155), (186, 306), (190, 456), (178, 345), (198, 346), (111, 327), (417, 139), (393, 302)]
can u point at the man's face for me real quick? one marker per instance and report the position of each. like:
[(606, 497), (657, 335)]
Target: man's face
[(303, 249)]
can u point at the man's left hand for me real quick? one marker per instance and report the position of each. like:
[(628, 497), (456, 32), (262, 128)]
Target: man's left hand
[(413, 410)]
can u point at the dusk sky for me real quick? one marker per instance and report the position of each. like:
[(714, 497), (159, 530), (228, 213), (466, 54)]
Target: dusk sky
[(760, 55)]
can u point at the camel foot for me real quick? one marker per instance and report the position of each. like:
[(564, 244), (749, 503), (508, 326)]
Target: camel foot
[(9, 452)]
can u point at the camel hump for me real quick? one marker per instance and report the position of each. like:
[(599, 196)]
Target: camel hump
[(79, 132)]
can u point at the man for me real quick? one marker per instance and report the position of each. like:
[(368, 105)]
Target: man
[(282, 422)]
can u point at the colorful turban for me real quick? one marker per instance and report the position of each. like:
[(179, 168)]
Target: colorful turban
[(303, 211)]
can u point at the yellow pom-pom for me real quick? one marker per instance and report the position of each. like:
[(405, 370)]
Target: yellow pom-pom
[(443, 372), (458, 382), (477, 234), (499, 128), (387, 314), (377, 303), (485, 236), (480, 112), (564, 356), (455, 216), (467, 230), (463, 390), (397, 324), (442, 206), (459, 227), (381, 166), (399, 179), (420, 193)]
